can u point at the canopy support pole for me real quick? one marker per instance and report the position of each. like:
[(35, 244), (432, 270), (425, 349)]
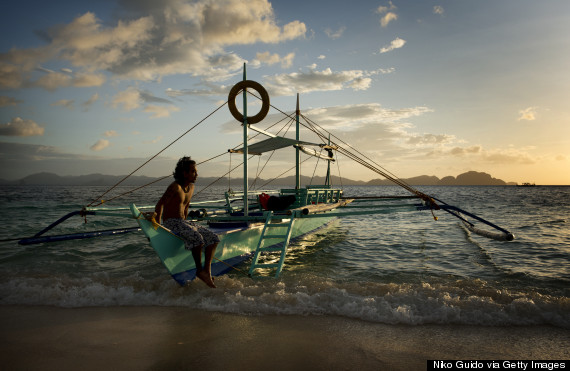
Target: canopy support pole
[(297, 154), (245, 154)]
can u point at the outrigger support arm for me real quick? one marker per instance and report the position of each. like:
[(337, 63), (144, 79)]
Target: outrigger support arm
[(40, 238), (62, 219), (456, 212)]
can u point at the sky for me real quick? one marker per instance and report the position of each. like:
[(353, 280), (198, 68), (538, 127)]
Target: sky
[(426, 87)]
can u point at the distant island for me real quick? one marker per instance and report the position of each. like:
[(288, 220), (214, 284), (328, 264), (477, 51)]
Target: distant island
[(50, 179)]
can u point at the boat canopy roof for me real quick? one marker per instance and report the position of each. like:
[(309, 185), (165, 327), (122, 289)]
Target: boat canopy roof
[(271, 144)]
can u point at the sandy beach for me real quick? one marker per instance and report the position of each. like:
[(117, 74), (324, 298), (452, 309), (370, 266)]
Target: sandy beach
[(167, 338)]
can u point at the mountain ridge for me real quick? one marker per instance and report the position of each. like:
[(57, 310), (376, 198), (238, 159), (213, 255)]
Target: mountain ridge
[(51, 179)]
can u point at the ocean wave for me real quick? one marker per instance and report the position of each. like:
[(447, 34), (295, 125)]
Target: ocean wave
[(467, 302)]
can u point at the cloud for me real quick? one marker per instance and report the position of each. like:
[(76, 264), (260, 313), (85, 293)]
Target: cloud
[(270, 59), (508, 156), (17, 65), (110, 133), (9, 101), (335, 34), (86, 80), (349, 117), (500, 156), (147, 97), (158, 39), (153, 141), (21, 128), (389, 17), (51, 81), (377, 131), (438, 10), (397, 43), (210, 90), (85, 42), (21, 151), (387, 133), (67, 103), (384, 9), (100, 145), (387, 14), (88, 103), (128, 99), (528, 114), (462, 151), (159, 111), (132, 98), (430, 139), (325, 80), (234, 22)]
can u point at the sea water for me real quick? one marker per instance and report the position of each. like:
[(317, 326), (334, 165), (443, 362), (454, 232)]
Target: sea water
[(401, 268)]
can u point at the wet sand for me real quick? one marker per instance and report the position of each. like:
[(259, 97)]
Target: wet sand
[(166, 338)]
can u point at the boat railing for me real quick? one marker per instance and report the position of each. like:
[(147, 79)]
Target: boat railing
[(311, 195)]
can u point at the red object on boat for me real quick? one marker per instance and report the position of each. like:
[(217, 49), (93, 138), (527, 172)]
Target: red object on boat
[(263, 198)]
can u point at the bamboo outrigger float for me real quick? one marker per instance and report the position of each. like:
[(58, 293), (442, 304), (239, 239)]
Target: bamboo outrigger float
[(260, 225)]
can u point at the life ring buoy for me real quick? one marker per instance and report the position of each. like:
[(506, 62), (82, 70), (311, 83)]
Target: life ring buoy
[(264, 101)]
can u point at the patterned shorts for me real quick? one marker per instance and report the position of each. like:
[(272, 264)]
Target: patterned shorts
[(193, 234)]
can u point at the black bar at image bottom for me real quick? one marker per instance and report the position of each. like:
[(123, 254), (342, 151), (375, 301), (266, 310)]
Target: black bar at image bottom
[(524, 365)]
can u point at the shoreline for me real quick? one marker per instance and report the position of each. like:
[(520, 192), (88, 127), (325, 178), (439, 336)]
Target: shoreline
[(172, 338)]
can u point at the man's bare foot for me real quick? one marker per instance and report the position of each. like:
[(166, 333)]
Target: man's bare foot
[(206, 278)]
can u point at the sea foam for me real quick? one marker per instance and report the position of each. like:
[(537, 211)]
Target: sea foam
[(405, 303)]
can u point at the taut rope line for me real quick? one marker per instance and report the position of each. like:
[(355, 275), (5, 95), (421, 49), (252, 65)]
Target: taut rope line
[(153, 157), (356, 156), (372, 165)]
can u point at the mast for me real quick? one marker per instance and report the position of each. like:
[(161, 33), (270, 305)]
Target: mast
[(297, 155), (245, 135), (328, 178)]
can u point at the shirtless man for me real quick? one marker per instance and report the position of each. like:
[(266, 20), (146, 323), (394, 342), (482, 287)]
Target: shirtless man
[(172, 208)]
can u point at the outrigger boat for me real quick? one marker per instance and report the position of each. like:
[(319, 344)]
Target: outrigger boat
[(260, 225)]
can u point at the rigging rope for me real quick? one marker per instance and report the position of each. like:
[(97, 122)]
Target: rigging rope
[(363, 159), (353, 154), (289, 123), (230, 174), (367, 162), (283, 173), (315, 169), (339, 175), (152, 158), (129, 192), (217, 180)]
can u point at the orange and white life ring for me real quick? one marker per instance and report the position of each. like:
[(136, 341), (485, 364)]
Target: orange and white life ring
[(264, 101)]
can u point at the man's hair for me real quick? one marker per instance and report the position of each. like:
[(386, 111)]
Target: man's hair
[(183, 165)]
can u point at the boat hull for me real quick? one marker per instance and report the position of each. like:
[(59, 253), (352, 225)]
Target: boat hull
[(236, 245)]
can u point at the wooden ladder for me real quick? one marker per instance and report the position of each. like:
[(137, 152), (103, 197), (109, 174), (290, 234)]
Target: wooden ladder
[(280, 247)]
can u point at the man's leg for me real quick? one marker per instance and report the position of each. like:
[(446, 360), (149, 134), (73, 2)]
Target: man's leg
[(210, 250), (211, 241), (197, 255), (204, 273)]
